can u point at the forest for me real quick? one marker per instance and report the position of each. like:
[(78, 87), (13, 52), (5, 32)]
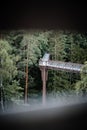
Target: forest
[(22, 49)]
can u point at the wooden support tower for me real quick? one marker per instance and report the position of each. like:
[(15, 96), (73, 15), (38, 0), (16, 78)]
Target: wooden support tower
[(44, 75)]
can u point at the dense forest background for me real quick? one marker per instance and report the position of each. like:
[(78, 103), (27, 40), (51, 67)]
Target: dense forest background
[(22, 49)]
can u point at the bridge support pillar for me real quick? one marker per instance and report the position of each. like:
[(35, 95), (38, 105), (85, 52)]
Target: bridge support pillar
[(44, 75)]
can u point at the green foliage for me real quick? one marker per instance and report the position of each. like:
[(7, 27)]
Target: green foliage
[(22, 47), (79, 48), (8, 71), (81, 86), (43, 40), (70, 47), (7, 67), (30, 49), (57, 44), (13, 91)]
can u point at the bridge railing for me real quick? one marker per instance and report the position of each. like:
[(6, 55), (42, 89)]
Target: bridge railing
[(59, 65)]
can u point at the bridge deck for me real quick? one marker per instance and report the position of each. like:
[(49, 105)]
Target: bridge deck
[(68, 66), (60, 65)]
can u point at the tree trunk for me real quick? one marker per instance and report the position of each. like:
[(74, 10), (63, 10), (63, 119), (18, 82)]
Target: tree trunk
[(1, 96), (26, 85)]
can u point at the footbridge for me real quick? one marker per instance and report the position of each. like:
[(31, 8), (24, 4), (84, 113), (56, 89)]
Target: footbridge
[(45, 64)]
